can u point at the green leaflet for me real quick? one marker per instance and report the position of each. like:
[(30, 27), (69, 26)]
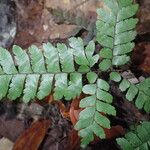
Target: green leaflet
[(116, 31), (98, 130), (115, 76), (91, 122), (52, 58), (89, 89), (105, 40), (126, 25), (37, 59), (102, 84), (106, 108), (127, 12), (4, 80), (125, 37), (138, 93), (123, 49), (60, 85), (124, 3), (83, 69), (91, 76), (88, 101), (66, 58), (102, 120), (16, 87), (8, 66), (106, 53), (22, 60), (132, 91), (31, 86), (120, 60), (105, 64), (87, 136), (124, 85), (139, 138), (104, 96), (45, 86), (105, 28), (106, 17)]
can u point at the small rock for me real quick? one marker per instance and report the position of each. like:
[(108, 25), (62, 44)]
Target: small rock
[(6, 144), (130, 76)]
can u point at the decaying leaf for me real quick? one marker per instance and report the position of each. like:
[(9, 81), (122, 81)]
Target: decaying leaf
[(75, 110), (141, 56), (74, 140), (33, 136)]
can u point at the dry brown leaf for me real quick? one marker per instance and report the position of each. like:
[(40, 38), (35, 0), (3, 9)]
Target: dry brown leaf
[(74, 140), (63, 110), (115, 131), (33, 136), (75, 110)]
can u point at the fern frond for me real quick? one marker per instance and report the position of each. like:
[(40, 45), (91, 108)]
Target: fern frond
[(115, 32), (91, 122), (139, 93), (37, 73), (138, 139)]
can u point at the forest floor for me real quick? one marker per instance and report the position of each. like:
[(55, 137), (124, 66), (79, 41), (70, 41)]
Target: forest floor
[(48, 125)]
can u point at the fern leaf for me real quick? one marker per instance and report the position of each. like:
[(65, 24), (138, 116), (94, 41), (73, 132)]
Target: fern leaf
[(37, 73), (91, 77), (106, 53), (60, 85), (16, 86), (105, 64), (139, 138), (4, 85), (66, 58), (8, 66), (115, 32), (140, 93), (37, 60), (31, 86), (52, 58), (91, 122), (125, 48), (124, 3), (22, 60), (45, 86)]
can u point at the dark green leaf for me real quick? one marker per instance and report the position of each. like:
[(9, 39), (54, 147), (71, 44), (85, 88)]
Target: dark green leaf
[(105, 64), (115, 76)]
